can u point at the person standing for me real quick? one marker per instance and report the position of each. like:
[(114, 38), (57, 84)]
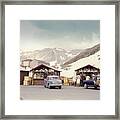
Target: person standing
[(82, 77), (87, 77), (78, 80)]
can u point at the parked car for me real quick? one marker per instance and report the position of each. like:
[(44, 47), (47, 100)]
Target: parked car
[(52, 81), (91, 83)]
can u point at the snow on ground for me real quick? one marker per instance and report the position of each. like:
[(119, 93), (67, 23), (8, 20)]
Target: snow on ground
[(69, 54), (62, 58), (92, 60), (59, 49), (52, 63)]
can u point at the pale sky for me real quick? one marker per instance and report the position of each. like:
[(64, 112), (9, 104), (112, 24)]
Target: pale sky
[(66, 34)]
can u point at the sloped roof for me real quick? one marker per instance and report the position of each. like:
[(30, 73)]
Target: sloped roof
[(27, 60), (22, 68), (35, 68), (87, 66)]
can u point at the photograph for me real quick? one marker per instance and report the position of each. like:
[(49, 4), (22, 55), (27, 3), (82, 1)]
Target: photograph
[(59, 59)]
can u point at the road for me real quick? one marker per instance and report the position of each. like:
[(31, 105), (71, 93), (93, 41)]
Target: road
[(66, 93)]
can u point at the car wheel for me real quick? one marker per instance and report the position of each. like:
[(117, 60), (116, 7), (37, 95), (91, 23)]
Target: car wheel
[(49, 86), (59, 87), (85, 86), (95, 87)]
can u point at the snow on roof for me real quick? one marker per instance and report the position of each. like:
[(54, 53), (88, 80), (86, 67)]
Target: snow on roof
[(87, 66), (27, 60), (24, 69), (46, 66)]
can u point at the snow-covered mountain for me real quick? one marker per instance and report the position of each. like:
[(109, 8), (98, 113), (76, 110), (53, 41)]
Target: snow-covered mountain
[(85, 53), (94, 60), (90, 56), (50, 55), (66, 60)]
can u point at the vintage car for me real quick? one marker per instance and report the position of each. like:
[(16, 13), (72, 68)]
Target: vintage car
[(91, 83), (53, 81)]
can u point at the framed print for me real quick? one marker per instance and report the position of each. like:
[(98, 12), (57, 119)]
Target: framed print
[(60, 60)]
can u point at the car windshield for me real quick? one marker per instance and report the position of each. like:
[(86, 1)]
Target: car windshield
[(53, 78)]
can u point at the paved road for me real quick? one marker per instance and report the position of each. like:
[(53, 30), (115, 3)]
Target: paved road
[(66, 93)]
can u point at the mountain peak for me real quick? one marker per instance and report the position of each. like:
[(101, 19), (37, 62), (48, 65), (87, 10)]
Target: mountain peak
[(49, 55), (59, 56)]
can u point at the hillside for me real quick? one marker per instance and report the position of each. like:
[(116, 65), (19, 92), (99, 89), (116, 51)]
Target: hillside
[(94, 60), (50, 55), (85, 53)]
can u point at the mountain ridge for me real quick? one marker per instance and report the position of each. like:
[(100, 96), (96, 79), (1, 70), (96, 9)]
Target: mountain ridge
[(59, 56), (86, 53)]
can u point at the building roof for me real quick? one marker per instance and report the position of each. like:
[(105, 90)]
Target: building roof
[(87, 66), (47, 66), (27, 60), (24, 69)]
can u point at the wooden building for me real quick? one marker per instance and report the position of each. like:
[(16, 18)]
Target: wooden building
[(26, 63), (40, 72), (31, 63), (23, 73), (88, 70)]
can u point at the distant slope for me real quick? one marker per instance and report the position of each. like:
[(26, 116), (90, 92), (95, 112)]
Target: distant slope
[(50, 55), (69, 70), (83, 54)]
